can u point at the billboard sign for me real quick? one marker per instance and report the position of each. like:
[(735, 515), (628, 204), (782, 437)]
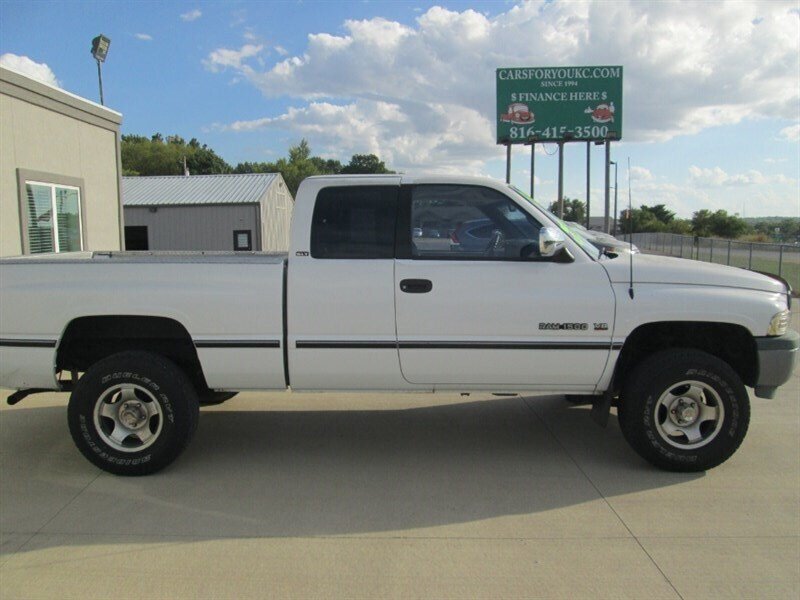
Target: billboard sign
[(551, 104)]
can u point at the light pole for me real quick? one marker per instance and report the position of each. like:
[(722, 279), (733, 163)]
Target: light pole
[(100, 46), (615, 198)]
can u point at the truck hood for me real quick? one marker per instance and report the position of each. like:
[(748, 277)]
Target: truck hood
[(649, 268)]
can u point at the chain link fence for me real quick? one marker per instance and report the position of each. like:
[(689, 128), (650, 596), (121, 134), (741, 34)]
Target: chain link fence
[(780, 259)]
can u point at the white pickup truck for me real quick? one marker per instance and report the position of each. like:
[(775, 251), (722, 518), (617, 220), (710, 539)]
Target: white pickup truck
[(396, 283)]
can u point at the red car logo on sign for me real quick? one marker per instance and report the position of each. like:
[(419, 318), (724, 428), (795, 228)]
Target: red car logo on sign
[(518, 113), (602, 113)]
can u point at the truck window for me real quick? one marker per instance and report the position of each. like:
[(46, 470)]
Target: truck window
[(469, 222), (354, 222)]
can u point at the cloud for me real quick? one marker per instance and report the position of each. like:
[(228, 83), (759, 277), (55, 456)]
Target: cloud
[(192, 15), (30, 68), (717, 177), (363, 127), (384, 129), (225, 58), (790, 133), (239, 17), (688, 67), (686, 198), (640, 174), (145, 37), (281, 50)]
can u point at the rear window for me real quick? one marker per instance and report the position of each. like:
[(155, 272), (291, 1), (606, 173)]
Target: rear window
[(354, 222)]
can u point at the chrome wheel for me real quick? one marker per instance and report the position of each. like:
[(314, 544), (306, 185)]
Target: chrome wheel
[(689, 415), (128, 417)]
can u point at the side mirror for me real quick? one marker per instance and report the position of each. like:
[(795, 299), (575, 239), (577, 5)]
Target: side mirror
[(551, 242)]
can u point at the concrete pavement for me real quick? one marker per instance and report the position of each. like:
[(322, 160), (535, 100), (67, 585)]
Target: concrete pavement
[(372, 495)]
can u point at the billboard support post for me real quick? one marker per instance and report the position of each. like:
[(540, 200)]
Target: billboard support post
[(588, 180), (508, 162), (533, 165), (606, 228), (560, 180), (616, 214)]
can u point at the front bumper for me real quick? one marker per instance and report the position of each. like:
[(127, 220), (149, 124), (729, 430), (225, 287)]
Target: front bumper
[(777, 357)]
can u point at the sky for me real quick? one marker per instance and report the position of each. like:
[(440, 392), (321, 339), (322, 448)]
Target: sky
[(711, 89)]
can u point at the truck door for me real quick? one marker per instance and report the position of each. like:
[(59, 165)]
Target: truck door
[(341, 287), (471, 312)]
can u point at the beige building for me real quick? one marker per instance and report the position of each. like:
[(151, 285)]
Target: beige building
[(60, 185)]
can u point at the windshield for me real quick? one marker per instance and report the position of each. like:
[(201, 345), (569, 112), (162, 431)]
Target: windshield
[(577, 226), (573, 234)]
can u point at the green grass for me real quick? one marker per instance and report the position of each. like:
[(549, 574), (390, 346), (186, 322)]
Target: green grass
[(790, 271)]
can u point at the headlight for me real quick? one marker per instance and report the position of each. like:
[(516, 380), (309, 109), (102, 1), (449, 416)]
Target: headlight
[(780, 323)]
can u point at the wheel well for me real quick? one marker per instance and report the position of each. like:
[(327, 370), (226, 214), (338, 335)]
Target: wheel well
[(87, 340), (728, 342)]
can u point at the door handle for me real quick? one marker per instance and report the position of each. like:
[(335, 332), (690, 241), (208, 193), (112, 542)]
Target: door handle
[(416, 286)]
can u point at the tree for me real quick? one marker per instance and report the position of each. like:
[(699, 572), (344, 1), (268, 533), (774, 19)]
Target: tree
[(365, 163), (301, 164), (327, 166), (660, 213), (157, 156), (574, 210), (638, 220), (652, 218), (717, 224)]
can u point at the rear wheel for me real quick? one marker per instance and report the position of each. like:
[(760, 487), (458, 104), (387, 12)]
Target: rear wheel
[(684, 410), (133, 413)]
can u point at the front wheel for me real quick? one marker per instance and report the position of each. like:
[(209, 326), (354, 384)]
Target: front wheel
[(133, 413), (684, 410)]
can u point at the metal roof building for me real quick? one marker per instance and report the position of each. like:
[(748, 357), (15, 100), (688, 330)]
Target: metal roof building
[(207, 212)]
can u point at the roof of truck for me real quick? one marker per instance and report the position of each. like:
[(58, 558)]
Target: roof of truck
[(412, 178)]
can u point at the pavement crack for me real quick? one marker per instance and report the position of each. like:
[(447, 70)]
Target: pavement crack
[(50, 520), (600, 494)]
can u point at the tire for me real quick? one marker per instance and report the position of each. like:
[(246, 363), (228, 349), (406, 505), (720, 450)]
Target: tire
[(211, 398), (133, 413), (684, 410)]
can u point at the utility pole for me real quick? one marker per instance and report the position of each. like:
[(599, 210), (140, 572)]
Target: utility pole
[(615, 198), (588, 181), (508, 162), (561, 180), (100, 46), (606, 227), (100, 80)]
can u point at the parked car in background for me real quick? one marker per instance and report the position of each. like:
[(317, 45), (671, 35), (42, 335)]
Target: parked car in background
[(602, 241)]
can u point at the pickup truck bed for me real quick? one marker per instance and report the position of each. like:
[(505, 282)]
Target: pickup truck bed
[(232, 303)]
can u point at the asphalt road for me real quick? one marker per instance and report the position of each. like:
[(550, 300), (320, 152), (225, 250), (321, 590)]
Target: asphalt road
[(332, 495)]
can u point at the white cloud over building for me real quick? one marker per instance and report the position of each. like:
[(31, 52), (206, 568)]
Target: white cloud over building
[(30, 68)]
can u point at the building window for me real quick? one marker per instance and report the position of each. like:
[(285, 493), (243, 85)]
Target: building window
[(53, 217), (243, 240)]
